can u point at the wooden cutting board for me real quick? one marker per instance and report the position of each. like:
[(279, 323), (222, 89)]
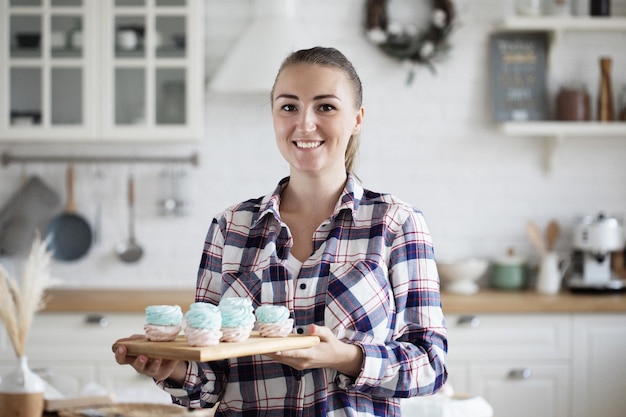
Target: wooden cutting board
[(180, 350)]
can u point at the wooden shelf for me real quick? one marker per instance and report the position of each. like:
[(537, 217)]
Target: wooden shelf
[(566, 23), (555, 132), (554, 129)]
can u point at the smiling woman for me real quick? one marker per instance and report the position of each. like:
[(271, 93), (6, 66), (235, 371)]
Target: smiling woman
[(307, 121), (353, 267)]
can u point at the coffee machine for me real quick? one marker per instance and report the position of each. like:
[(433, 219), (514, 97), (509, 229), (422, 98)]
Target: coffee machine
[(596, 238)]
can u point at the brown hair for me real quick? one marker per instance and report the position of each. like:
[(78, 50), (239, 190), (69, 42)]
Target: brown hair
[(330, 57)]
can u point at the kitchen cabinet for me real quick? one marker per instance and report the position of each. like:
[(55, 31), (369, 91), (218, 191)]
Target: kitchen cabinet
[(109, 70), (541, 364), (554, 132), (521, 364), (599, 358)]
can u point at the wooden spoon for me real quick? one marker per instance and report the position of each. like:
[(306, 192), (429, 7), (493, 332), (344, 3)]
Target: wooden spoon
[(534, 234), (552, 234)]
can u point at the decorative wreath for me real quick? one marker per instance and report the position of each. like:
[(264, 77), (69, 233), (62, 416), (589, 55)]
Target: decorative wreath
[(408, 43)]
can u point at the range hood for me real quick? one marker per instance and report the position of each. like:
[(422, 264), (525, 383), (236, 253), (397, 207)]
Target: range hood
[(253, 63)]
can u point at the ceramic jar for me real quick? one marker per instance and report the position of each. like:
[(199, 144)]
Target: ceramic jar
[(573, 104), (509, 272)]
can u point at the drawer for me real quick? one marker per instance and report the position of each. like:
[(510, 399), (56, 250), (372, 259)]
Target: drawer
[(79, 337), (506, 336)]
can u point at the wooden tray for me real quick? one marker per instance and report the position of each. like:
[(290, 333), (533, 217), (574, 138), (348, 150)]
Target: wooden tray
[(179, 349), (130, 410), (65, 403)]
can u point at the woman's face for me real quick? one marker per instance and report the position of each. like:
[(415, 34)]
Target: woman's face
[(314, 116)]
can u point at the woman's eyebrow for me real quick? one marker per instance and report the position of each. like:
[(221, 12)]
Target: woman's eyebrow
[(326, 96), (295, 97), (287, 96)]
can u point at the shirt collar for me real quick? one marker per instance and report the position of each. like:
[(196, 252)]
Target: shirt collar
[(348, 201)]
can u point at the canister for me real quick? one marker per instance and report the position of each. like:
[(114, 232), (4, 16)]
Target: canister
[(509, 272)]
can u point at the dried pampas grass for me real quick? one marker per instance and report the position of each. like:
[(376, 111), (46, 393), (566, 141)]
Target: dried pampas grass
[(18, 304)]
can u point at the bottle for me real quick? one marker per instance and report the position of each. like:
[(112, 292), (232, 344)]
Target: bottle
[(605, 94), (600, 8)]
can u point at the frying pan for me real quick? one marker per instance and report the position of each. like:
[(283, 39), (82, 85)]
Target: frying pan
[(69, 233)]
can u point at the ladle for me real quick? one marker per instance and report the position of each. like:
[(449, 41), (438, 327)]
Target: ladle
[(129, 250)]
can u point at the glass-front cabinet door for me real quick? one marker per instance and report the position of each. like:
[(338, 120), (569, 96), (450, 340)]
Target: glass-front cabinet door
[(116, 70), (155, 78), (46, 71)]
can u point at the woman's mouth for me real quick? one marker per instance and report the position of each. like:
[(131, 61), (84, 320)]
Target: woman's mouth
[(308, 144)]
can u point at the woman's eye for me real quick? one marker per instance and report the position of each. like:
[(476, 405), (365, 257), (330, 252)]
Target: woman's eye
[(326, 107), (288, 107)]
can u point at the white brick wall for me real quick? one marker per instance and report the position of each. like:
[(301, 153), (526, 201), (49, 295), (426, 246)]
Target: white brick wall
[(432, 144)]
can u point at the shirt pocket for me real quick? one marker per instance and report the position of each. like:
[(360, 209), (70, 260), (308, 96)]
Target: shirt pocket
[(270, 284), (360, 302)]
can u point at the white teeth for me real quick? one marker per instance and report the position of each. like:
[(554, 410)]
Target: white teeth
[(308, 145)]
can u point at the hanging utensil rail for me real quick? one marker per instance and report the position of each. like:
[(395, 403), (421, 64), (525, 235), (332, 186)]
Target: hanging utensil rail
[(7, 159)]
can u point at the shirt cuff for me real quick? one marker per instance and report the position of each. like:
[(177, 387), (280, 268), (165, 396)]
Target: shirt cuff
[(174, 389)]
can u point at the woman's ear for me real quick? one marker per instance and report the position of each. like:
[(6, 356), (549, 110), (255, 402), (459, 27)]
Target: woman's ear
[(359, 121)]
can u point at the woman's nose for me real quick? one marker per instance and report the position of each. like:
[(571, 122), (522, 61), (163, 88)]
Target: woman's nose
[(306, 121)]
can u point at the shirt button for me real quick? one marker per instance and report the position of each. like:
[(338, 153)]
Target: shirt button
[(303, 286), (300, 330)]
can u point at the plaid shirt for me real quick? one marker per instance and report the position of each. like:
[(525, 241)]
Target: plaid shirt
[(371, 279)]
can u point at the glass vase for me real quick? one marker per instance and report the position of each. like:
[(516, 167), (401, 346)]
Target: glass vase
[(21, 392)]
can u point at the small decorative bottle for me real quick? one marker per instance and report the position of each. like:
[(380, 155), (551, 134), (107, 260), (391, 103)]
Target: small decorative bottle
[(605, 93)]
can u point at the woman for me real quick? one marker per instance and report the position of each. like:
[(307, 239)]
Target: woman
[(354, 267)]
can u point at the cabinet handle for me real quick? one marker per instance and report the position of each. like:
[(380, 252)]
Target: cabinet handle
[(468, 321), (96, 320), (520, 373)]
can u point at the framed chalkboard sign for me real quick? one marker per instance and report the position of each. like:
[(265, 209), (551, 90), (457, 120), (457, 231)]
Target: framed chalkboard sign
[(518, 75)]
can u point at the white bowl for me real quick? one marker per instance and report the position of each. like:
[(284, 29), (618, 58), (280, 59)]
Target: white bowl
[(460, 276)]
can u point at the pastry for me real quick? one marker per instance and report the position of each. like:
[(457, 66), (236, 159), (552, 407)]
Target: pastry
[(273, 321), (202, 325), (163, 322), (237, 318)]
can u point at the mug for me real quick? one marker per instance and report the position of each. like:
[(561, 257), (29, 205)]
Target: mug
[(551, 271)]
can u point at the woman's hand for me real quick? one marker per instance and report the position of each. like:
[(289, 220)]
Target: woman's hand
[(159, 369), (330, 353)]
